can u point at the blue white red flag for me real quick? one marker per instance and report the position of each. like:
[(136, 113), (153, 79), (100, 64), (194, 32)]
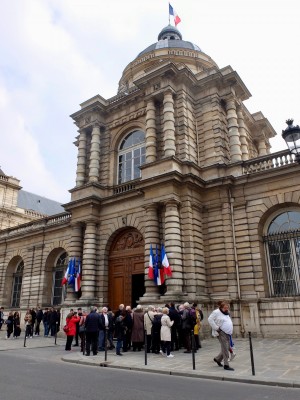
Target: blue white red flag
[(165, 262), (67, 273), (175, 15), (150, 270), (78, 277)]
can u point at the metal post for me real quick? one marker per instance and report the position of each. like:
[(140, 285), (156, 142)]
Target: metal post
[(251, 354), (56, 327), (193, 349), (145, 347), (105, 343), (25, 336)]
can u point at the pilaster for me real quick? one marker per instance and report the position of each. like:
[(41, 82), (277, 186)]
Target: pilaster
[(81, 159), (169, 125)]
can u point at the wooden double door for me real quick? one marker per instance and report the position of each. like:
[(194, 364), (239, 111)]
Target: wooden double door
[(126, 269)]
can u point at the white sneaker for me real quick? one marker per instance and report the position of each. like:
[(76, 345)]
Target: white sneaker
[(170, 356), (161, 352)]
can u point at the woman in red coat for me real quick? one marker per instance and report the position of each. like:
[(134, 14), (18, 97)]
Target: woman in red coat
[(71, 321)]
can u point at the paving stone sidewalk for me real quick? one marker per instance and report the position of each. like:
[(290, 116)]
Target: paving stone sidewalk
[(276, 361)]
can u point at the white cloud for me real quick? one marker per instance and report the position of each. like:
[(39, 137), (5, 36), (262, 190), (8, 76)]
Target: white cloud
[(56, 54)]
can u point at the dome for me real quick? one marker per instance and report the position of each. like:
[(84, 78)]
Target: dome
[(170, 37), (169, 48)]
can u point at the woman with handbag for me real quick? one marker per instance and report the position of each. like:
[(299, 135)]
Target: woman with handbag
[(81, 332), (17, 328), (9, 325), (70, 328)]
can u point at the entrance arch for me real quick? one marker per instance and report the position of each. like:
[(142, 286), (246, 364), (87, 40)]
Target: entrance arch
[(126, 269)]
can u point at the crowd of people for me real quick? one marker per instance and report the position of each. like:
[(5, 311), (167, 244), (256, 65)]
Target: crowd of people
[(161, 330), (34, 317)]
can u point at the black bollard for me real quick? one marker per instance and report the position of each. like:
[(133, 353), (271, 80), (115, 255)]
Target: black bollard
[(251, 354), (193, 349), (145, 347), (25, 336), (56, 328), (105, 343)]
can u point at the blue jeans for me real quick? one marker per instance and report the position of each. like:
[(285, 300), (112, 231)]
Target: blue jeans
[(101, 340), (46, 328), (119, 345)]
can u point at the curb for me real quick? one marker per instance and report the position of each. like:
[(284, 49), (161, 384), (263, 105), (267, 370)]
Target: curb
[(106, 364)]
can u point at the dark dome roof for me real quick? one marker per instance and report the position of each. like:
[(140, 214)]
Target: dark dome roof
[(170, 37)]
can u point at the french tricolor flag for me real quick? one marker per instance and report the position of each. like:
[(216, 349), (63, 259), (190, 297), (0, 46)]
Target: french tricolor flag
[(67, 273), (165, 262), (150, 270), (78, 277), (175, 15)]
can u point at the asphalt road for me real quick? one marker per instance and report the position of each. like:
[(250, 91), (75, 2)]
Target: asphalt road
[(30, 374)]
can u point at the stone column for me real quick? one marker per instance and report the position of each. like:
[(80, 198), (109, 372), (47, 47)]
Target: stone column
[(233, 132), (89, 259), (169, 125), (243, 134), (81, 159), (150, 132), (95, 154), (151, 237), (173, 248)]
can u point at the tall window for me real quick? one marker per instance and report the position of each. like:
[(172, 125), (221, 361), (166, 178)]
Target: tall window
[(17, 285), (132, 155), (283, 254), (59, 291)]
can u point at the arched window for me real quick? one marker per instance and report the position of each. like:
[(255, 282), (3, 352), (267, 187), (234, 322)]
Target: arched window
[(283, 254), (132, 155), (59, 291), (17, 285)]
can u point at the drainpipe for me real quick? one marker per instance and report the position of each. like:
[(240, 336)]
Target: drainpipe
[(231, 201)]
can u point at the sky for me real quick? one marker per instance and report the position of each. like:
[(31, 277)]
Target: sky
[(56, 54)]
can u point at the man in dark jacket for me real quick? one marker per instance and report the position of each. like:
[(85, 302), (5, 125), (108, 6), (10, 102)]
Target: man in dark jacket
[(39, 318), (92, 327)]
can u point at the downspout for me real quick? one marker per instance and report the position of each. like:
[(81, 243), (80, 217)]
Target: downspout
[(231, 201), (197, 143)]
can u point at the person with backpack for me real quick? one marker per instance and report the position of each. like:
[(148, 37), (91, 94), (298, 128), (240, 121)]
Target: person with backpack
[(120, 331), (188, 319), (148, 321), (155, 332), (197, 327)]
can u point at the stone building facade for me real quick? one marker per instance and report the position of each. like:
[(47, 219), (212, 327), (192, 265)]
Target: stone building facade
[(175, 158), (19, 207)]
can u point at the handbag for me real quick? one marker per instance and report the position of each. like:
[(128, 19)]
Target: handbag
[(66, 328), (81, 329)]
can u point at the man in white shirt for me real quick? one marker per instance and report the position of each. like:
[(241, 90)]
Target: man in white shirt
[(222, 327)]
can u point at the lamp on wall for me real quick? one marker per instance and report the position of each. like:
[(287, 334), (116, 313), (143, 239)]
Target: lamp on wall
[(291, 135)]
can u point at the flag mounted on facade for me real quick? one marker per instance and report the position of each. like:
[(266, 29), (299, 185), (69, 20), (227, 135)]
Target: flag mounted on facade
[(67, 273), (150, 270), (78, 277), (175, 15), (72, 271), (159, 276), (165, 262)]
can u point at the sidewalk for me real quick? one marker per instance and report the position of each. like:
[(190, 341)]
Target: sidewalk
[(277, 361)]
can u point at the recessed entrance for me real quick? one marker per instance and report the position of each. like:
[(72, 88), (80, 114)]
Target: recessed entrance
[(126, 269)]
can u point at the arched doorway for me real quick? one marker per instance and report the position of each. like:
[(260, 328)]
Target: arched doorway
[(126, 269)]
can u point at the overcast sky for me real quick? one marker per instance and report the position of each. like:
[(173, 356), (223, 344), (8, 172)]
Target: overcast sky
[(55, 54)]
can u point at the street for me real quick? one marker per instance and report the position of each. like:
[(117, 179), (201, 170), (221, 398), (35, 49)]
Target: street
[(39, 373)]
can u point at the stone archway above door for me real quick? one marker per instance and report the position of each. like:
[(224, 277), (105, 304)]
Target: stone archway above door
[(126, 258)]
